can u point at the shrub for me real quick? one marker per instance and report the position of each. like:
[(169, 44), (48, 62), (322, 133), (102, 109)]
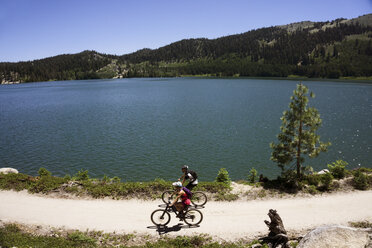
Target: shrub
[(365, 170), (116, 179), (307, 170), (67, 177), (311, 189), (82, 175), (290, 181), (105, 179), (313, 179), (252, 175), (15, 182), (326, 180), (223, 176), (46, 184), (44, 172), (360, 180), (337, 169)]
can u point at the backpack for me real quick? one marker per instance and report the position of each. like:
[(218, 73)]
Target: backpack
[(188, 192), (193, 174)]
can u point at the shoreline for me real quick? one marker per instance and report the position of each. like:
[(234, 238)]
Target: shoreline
[(367, 80)]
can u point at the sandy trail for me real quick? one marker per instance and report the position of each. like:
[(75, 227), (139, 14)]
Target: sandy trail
[(226, 220)]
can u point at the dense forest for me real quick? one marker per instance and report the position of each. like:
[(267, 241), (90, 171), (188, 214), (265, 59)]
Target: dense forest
[(337, 49)]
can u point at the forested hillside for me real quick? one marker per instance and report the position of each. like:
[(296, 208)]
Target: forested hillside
[(338, 49)]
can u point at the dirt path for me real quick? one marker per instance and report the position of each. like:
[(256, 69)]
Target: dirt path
[(225, 220)]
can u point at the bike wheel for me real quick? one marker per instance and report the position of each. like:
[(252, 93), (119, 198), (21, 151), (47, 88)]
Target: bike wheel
[(193, 217), (198, 198), (168, 196), (160, 217)]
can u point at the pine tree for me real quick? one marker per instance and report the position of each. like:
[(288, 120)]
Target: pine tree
[(298, 132)]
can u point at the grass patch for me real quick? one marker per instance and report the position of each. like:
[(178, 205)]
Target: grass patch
[(12, 236), (225, 196), (82, 185), (16, 182)]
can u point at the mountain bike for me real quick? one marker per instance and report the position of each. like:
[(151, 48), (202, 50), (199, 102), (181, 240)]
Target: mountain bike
[(161, 217), (198, 199)]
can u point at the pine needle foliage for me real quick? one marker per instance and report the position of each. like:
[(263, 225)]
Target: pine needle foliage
[(298, 138)]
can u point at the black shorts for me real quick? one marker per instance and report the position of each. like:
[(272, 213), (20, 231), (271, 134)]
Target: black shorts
[(190, 186)]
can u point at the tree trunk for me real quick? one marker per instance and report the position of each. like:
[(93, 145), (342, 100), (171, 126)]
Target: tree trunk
[(299, 151)]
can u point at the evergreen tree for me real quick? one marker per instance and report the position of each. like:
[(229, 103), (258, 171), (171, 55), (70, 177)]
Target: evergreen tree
[(298, 132)]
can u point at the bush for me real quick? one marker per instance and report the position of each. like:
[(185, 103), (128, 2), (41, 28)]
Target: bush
[(312, 189), (326, 180), (360, 180), (365, 170), (44, 172), (46, 184), (116, 179), (15, 182), (67, 177), (252, 175), (337, 169), (290, 181), (105, 179), (223, 176), (313, 179), (82, 175)]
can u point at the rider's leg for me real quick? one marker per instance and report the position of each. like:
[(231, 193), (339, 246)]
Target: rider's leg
[(190, 186), (180, 207)]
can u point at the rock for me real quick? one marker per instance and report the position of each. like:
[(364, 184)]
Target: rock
[(335, 236), (324, 171), (8, 171)]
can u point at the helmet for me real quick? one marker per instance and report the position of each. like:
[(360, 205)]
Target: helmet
[(177, 184), (185, 167)]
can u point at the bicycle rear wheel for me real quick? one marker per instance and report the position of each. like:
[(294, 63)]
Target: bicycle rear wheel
[(193, 217), (168, 196), (198, 198), (160, 217)]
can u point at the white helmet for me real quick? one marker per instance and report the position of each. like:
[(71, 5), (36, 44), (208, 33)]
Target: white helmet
[(177, 184)]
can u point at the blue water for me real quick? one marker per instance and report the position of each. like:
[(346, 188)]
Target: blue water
[(141, 129)]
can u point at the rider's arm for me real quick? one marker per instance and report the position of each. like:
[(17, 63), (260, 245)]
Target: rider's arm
[(175, 200), (182, 178)]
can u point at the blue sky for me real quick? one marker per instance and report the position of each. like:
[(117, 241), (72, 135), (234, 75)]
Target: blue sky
[(34, 29)]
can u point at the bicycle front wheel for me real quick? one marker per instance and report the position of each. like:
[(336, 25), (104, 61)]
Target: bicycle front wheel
[(193, 217), (198, 198), (160, 217), (168, 196)]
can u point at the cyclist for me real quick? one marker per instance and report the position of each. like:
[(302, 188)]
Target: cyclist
[(191, 176), (180, 194)]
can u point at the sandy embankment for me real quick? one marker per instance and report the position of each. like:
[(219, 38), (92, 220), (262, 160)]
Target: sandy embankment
[(226, 220)]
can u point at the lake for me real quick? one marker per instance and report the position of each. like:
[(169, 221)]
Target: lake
[(142, 129)]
